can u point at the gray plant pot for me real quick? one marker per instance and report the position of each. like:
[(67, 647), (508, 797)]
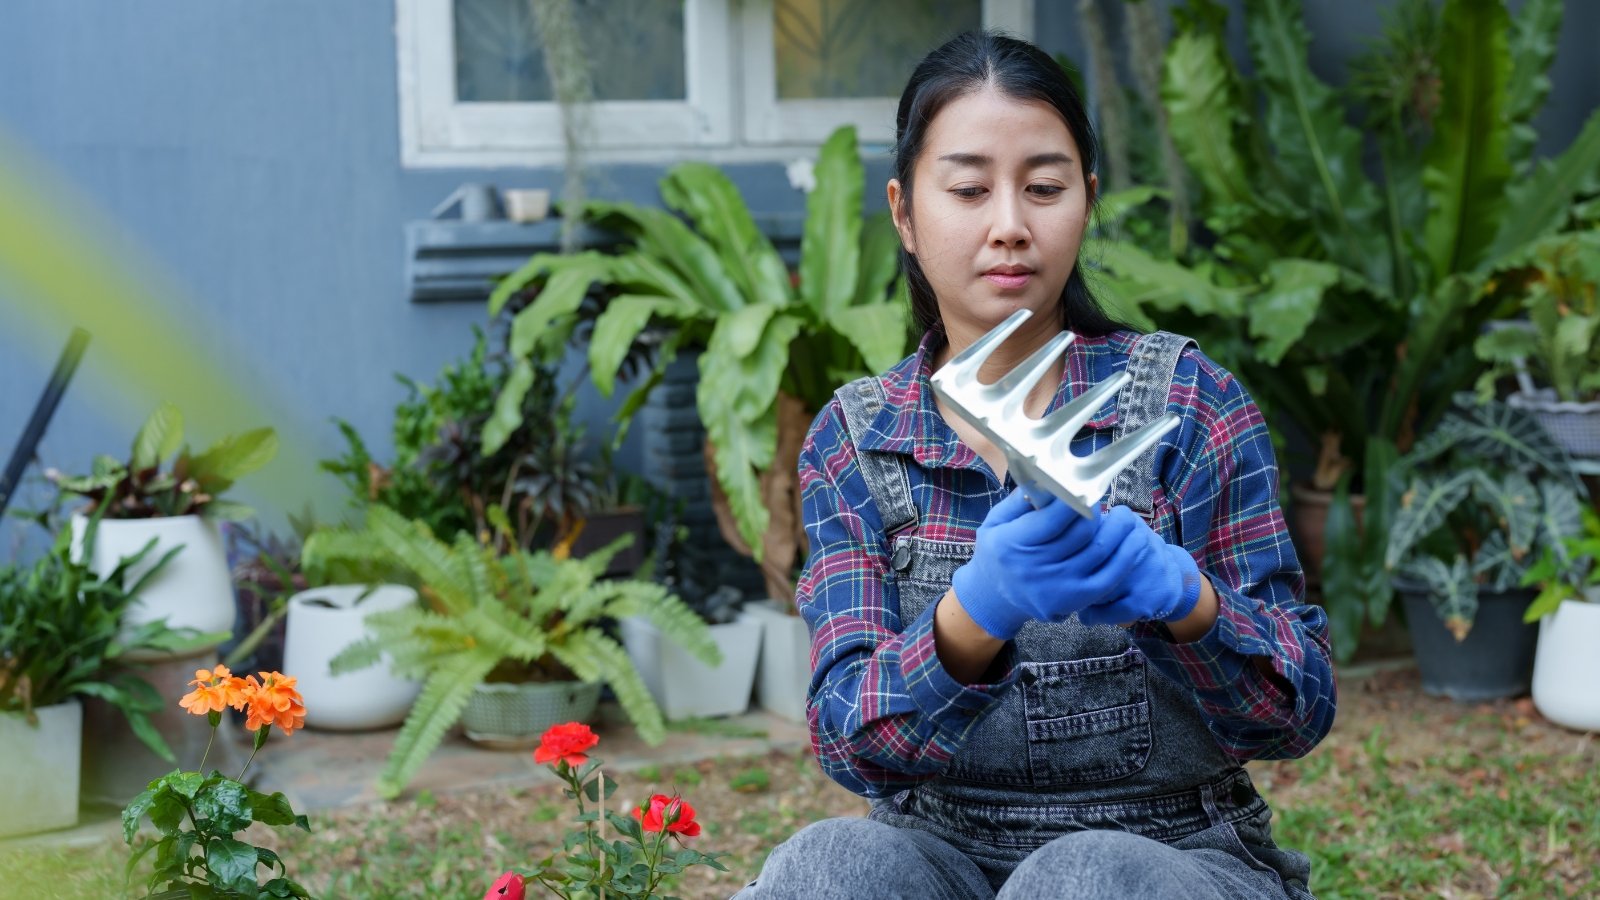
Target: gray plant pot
[(513, 716), (1494, 662), (1575, 426)]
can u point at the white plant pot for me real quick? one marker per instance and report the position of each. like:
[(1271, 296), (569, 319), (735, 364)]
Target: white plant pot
[(194, 589), (1566, 667), (685, 687), (40, 789), (373, 697), (784, 673)]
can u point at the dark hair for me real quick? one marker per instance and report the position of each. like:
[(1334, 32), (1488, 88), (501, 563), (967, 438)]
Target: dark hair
[(966, 63)]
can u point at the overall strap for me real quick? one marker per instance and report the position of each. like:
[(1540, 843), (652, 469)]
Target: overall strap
[(885, 473), (1151, 362)]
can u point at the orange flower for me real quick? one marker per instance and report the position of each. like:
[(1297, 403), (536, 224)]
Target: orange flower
[(274, 701), (213, 690)]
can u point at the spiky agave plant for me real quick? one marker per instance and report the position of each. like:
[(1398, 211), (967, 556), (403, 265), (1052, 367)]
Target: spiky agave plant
[(486, 611)]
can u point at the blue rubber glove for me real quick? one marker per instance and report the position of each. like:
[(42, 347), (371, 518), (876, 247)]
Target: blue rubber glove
[(1044, 564), (1164, 585)]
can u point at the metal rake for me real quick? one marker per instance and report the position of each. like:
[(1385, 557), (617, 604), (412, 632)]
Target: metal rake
[(1038, 451)]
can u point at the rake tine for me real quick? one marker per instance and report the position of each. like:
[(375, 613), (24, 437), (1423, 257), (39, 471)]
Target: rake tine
[(1103, 465), (1067, 421), (1012, 390), (963, 367)]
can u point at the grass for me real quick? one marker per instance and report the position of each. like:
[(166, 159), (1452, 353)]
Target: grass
[(1409, 797)]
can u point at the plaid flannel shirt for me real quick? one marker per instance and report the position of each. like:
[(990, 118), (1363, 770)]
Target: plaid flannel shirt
[(883, 711)]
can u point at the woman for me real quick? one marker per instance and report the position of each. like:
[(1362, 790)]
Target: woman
[(1038, 703)]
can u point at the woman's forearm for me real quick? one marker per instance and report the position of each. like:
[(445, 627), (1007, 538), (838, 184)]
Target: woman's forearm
[(965, 649)]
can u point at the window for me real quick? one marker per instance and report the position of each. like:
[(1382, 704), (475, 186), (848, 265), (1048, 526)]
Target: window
[(718, 79)]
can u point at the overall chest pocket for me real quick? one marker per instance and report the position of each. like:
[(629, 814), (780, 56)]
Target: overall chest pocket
[(1079, 716), (1087, 720)]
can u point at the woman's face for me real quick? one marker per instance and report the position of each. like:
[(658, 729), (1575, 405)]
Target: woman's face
[(998, 209)]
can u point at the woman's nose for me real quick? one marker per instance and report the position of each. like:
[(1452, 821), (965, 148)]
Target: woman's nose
[(1009, 227)]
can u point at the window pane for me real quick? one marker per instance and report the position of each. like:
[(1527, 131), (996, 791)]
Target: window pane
[(860, 48), (498, 57)]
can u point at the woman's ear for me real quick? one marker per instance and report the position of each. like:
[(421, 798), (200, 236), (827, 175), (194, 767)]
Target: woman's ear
[(1094, 193), (902, 219)]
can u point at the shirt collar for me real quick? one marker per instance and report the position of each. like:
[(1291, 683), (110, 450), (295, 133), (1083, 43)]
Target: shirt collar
[(909, 422)]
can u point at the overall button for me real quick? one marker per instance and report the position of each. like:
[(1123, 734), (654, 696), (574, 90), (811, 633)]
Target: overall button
[(901, 560), (1241, 794), (1029, 676)]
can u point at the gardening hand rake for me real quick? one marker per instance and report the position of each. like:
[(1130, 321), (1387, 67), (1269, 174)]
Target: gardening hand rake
[(1038, 451)]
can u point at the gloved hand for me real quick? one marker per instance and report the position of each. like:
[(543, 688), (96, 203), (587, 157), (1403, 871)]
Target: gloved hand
[(1164, 584), (1044, 564)]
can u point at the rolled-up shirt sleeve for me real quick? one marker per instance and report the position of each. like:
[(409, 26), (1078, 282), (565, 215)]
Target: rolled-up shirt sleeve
[(1263, 675), (884, 713)]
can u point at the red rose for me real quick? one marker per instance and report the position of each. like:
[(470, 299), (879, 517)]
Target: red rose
[(507, 887), (672, 813), (566, 743)]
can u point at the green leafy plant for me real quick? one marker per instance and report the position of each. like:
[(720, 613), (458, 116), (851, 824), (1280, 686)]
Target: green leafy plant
[(650, 845), (1569, 570), (497, 615), (540, 474), (775, 345), (192, 485), (1484, 495), (1559, 290), (60, 638), (1350, 305), (197, 816)]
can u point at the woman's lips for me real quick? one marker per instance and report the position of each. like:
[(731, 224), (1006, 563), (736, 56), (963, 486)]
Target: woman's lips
[(1008, 282)]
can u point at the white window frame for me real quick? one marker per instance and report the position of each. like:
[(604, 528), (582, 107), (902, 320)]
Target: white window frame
[(768, 120), (731, 112), (438, 131)]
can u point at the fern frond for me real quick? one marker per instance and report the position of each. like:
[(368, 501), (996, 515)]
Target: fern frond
[(476, 564), (413, 545), (506, 633), (595, 657), (357, 656), (669, 614), (436, 710)]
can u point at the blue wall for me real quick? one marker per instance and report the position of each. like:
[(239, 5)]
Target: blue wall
[(251, 150)]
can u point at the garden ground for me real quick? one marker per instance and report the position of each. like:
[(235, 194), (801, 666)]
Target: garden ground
[(1410, 796)]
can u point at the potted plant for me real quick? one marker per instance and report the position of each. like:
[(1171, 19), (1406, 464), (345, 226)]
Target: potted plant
[(1484, 495), (499, 625), (176, 505), (1348, 304), (1566, 667), (1558, 346), (773, 345), (60, 635)]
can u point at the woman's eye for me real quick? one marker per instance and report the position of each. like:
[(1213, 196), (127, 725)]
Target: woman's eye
[(967, 193), (1045, 190)]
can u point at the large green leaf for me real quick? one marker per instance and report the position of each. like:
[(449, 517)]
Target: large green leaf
[(1540, 203), (236, 456), (1143, 280), (663, 236), (880, 260), (1467, 161), (614, 332), (877, 332), (1452, 590), (1426, 504), (830, 247), (1533, 49), (704, 194), (1205, 111), (1287, 304), (159, 437), (737, 398), (545, 324), (1515, 502), (1319, 155), (507, 415)]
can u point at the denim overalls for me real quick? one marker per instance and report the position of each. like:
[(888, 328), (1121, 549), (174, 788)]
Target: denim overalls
[(1092, 736)]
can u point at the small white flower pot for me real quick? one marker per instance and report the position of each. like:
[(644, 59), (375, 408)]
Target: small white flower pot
[(324, 621), (40, 789), (685, 687), (783, 675), (193, 590), (1566, 668)]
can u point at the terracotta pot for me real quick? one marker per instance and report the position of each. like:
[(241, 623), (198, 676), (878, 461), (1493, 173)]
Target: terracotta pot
[(1308, 524)]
